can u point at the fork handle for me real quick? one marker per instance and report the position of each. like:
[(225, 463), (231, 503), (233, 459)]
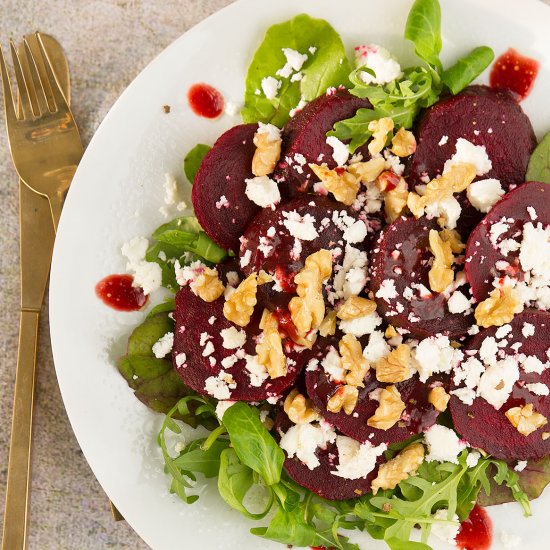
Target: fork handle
[(17, 492), (56, 205)]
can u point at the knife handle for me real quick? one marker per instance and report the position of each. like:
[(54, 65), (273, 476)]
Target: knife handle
[(17, 492)]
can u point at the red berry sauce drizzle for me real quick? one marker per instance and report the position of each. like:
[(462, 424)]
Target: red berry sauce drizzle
[(476, 532), (117, 292), (515, 72), (205, 100)]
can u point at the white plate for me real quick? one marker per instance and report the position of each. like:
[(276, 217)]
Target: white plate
[(116, 194)]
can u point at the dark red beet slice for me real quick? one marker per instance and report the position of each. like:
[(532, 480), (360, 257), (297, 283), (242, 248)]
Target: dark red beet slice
[(418, 416), (268, 244), (482, 256), (481, 425), (320, 480), (401, 255), (483, 116), (219, 198), (194, 318), (306, 134)]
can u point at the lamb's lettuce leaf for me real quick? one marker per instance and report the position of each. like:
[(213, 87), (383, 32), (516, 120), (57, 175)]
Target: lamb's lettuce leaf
[(193, 159), (539, 163), (326, 66)]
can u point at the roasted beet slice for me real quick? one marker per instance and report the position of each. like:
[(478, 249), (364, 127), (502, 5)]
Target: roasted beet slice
[(483, 116), (398, 264), (320, 480), (199, 324), (304, 138), (487, 428), (484, 259), (417, 417), (272, 243), (219, 198)]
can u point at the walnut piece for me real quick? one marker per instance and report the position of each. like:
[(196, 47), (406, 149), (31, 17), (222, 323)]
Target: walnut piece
[(525, 419), (341, 183), (264, 277), (307, 310), (355, 307), (439, 398), (239, 307), (380, 129), (299, 409), (367, 171), (353, 360), (399, 468), (345, 398), (207, 286), (457, 179), (270, 347), (403, 143), (395, 200), (441, 275), (266, 156), (452, 236), (390, 332), (389, 410), (395, 367), (499, 308), (328, 325)]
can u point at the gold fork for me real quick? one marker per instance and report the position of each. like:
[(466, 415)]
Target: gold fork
[(45, 144)]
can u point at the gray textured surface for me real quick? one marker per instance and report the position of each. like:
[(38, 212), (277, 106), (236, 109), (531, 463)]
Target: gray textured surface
[(108, 43)]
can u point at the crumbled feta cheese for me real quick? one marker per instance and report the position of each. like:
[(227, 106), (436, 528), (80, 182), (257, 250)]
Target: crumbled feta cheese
[(538, 388), (303, 440), (532, 213), (332, 365), (443, 140), (466, 395), (170, 189), (163, 346), (528, 330), (273, 133), (484, 194), (472, 459), (469, 372), (270, 87), (222, 406), (520, 466), (356, 460), (488, 350), (458, 302), (300, 227), (219, 386), (360, 326), (263, 191), (449, 209), (294, 62), (301, 104), (181, 359), (376, 348), (147, 275), (531, 363), (350, 277), (434, 355), (387, 290), (258, 372), (443, 444), (380, 61), (496, 383), (340, 151), (468, 153), (245, 258), (208, 349), (503, 331), (356, 232), (231, 108), (233, 338), (446, 531)]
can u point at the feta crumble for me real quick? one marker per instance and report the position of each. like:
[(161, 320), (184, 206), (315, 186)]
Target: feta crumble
[(233, 338), (263, 191), (340, 151), (443, 444), (484, 194), (468, 153), (379, 60), (356, 460), (163, 346), (270, 87)]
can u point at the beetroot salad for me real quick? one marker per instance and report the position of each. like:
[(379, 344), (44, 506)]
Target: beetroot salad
[(360, 309)]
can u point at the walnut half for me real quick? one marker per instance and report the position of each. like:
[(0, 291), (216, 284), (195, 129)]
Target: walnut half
[(239, 307), (207, 286), (299, 409), (353, 360), (389, 410), (525, 419), (341, 183), (439, 398), (270, 348), (499, 308), (266, 156), (396, 366), (345, 398)]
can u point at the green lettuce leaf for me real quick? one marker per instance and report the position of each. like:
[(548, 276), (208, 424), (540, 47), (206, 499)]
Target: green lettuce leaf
[(539, 163), (327, 66), (193, 159)]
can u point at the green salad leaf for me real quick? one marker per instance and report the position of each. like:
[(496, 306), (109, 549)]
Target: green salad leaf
[(193, 159), (326, 65), (419, 87), (539, 163)]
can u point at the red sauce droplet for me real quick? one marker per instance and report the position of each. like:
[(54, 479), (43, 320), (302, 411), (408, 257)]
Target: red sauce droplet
[(117, 292), (476, 532), (286, 324), (205, 100), (514, 72)]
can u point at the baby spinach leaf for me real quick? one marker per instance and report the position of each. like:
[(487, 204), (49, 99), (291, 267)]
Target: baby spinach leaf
[(327, 66), (253, 444), (145, 335), (423, 29), (165, 307), (467, 69), (136, 369), (206, 461), (539, 163), (234, 481), (193, 159)]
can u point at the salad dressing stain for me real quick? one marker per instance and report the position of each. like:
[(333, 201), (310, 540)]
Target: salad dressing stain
[(117, 292), (514, 72), (476, 532), (205, 100)]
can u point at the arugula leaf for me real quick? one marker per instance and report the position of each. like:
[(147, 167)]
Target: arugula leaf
[(539, 163), (253, 444), (423, 29), (467, 69), (193, 159), (327, 66)]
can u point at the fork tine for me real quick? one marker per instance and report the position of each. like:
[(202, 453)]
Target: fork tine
[(57, 94), (24, 98), (36, 82), (9, 106)]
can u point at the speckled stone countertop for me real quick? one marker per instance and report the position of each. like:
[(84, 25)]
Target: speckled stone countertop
[(107, 42)]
